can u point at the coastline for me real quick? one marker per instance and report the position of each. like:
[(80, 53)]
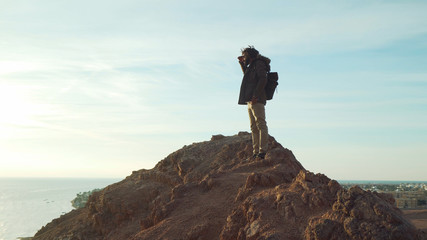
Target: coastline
[(54, 185), (28, 204)]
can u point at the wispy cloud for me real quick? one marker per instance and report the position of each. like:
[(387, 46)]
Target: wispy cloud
[(120, 73)]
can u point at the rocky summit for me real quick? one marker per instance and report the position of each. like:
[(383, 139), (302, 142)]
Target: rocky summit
[(215, 190)]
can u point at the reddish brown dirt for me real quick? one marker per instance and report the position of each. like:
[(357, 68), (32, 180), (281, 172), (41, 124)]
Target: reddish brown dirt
[(417, 217), (214, 190)]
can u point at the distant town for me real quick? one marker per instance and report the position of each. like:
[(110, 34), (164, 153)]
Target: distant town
[(407, 195)]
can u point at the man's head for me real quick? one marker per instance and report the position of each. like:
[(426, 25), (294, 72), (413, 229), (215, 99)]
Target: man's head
[(249, 53)]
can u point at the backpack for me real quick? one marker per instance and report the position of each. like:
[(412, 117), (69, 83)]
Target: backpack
[(270, 87)]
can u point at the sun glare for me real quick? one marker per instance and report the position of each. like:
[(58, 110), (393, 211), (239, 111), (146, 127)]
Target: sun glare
[(17, 109), (14, 66)]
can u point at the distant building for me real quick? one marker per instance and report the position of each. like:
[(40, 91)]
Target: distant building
[(410, 199), (407, 195)]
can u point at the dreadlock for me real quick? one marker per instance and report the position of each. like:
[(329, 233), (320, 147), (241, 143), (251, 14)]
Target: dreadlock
[(251, 51)]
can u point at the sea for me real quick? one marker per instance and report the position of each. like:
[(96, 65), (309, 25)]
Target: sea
[(27, 204)]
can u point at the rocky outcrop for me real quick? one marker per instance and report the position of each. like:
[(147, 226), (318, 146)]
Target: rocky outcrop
[(214, 190)]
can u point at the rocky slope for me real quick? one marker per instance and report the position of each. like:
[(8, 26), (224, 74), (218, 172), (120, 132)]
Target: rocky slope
[(211, 190)]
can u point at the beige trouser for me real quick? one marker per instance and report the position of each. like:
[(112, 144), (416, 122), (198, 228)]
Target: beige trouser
[(258, 127)]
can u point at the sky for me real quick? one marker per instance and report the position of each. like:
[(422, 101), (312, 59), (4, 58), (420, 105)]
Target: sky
[(102, 88)]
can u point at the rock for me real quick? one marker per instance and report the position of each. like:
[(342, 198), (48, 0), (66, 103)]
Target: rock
[(210, 190), (217, 137)]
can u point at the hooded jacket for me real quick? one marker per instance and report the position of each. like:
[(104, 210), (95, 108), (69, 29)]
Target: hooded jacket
[(254, 80)]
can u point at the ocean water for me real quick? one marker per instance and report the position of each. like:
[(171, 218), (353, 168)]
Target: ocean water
[(27, 204)]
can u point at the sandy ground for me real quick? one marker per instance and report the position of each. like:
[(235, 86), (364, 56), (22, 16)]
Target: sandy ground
[(417, 217)]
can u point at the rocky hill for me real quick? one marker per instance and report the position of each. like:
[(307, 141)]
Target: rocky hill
[(212, 190)]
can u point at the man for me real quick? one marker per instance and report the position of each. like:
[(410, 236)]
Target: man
[(252, 93)]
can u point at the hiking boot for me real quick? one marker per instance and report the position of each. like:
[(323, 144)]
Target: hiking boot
[(261, 155), (253, 157)]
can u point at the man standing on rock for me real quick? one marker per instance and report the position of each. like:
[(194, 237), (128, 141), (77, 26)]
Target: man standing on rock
[(252, 93)]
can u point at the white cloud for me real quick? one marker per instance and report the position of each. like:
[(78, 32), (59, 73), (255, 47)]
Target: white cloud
[(121, 72)]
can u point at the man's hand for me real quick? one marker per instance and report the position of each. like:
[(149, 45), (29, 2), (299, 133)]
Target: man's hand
[(254, 100)]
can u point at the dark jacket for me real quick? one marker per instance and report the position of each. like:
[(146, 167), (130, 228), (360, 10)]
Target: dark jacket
[(254, 80)]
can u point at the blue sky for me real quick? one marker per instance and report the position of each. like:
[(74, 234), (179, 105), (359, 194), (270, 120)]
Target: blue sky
[(102, 88)]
